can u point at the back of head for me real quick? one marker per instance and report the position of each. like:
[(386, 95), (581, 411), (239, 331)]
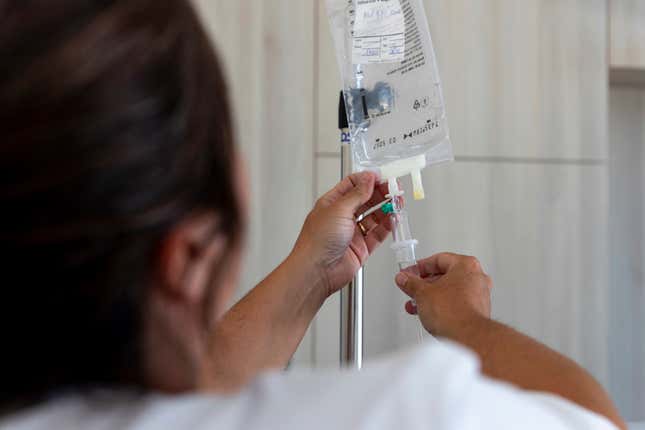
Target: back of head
[(114, 125)]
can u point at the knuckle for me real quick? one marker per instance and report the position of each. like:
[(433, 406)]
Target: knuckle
[(472, 264), (476, 280), (321, 202)]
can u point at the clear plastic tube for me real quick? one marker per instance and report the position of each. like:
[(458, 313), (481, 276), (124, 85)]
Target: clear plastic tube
[(404, 245)]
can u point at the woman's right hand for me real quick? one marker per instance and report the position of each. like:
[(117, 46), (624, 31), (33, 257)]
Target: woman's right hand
[(452, 293), (453, 302)]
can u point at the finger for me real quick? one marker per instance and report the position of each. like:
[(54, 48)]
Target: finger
[(438, 264), (358, 247), (374, 219), (378, 235), (380, 216), (360, 194), (369, 223), (346, 186), (432, 278), (377, 198), (382, 190), (488, 281), (410, 284), (470, 264), (411, 308)]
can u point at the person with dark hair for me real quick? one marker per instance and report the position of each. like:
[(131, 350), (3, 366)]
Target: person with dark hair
[(122, 220)]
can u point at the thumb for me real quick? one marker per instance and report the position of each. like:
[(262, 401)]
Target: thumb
[(409, 284), (361, 193)]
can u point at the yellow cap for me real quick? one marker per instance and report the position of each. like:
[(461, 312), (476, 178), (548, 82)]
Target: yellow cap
[(417, 185)]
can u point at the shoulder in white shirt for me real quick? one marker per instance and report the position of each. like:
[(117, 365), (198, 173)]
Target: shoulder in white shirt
[(436, 386)]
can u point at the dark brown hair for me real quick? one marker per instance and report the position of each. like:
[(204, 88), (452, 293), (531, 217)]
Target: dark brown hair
[(114, 126)]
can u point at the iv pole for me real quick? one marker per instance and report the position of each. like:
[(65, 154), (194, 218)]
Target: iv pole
[(351, 297)]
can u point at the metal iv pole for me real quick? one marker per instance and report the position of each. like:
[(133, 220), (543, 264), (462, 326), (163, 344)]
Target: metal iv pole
[(351, 297)]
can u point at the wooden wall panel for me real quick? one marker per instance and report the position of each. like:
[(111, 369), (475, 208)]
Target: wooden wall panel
[(267, 48), (524, 78)]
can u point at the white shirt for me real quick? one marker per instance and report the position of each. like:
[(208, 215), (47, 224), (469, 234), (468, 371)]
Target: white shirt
[(436, 386)]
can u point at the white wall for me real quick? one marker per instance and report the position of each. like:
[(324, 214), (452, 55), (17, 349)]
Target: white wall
[(627, 34)]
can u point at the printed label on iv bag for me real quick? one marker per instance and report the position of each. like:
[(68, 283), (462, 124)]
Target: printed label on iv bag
[(379, 32)]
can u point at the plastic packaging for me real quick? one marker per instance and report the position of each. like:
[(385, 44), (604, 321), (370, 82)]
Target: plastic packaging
[(395, 107)]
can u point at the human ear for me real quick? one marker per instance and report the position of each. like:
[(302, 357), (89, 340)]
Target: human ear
[(187, 255)]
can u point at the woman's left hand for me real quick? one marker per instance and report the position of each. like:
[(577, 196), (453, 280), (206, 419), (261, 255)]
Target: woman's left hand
[(331, 238)]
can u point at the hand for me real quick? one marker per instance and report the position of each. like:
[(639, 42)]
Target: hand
[(453, 301), (330, 237), (452, 292)]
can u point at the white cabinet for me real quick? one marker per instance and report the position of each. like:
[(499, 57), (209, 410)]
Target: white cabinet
[(627, 34)]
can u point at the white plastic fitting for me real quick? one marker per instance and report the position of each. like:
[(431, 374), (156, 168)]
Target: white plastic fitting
[(405, 253), (408, 166)]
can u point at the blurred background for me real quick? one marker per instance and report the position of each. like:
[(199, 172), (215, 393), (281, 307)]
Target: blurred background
[(546, 102)]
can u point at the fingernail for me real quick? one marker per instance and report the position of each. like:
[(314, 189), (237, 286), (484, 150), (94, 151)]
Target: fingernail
[(413, 307), (401, 279)]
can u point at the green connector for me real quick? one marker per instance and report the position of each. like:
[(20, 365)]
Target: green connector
[(388, 208)]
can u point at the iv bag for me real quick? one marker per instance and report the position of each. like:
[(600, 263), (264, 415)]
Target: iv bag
[(391, 85)]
